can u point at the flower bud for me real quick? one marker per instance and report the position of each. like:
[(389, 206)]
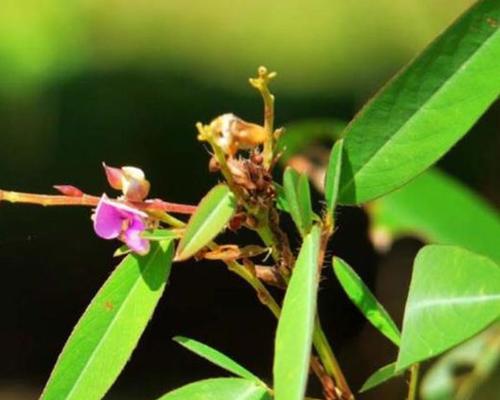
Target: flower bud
[(130, 180)]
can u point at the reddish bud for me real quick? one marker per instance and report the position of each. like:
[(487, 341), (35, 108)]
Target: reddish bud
[(114, 176), (69, 190)]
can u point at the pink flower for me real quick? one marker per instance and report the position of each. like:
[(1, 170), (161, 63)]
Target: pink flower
[(114, 220)]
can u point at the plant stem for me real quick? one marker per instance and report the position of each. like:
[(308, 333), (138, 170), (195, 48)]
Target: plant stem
[(413, 387), (87, 200), (328, 359)]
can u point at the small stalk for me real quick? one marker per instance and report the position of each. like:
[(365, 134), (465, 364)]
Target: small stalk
[(47, 200), (261, 83), (413, 386), (329, 360)]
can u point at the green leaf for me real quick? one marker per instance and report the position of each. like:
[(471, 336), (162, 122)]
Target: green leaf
[(300, 135), (107, 333), (281, 201), (332, 178), (454, 294), (295, 326), (219, 389), (366, 302), (160, 234), (380, 376), (298, 195), (439, 209), (217, 358), (425, 109), (210, 218), (458, 373)]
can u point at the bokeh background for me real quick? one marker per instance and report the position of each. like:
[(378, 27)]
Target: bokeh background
[(124, 82)]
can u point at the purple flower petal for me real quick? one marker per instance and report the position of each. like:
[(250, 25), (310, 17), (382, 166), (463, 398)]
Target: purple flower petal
[(133, 237), (108, 220), (113, 219)]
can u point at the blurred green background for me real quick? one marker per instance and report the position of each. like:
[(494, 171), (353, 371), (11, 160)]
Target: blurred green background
[(124, 82)]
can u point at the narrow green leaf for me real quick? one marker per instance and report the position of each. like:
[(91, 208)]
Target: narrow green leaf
[(332, 177), (281, 201), (454, 294), (295, 327), (160, 234), (299, 135), (107, 333), (425, 109), (216, 357), (298, 196), (366, 302), (380, 376), (219, 389), (457, 374), (439, 209), (211, 216)]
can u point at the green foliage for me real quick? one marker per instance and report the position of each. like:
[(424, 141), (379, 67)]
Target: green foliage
[(366, 302), (213, 213), (219, 389), (298, 196), (332, 178), (454, 294), (439, 209), (425, 109), (216, 357), (300, 135), (160, 234), (457, 374), (380, 376), (107, 333), (295, 327)]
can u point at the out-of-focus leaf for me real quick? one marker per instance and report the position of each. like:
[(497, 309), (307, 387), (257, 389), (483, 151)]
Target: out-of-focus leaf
[(217, 358), (457, 374), (107, 333), (301, 134), (438, 209), (160, 234), (380, 376), (298, 195), (219, 389), (425, 109), (211, 216), (332, 178), (366, 302), (454, 294), (295, 327)]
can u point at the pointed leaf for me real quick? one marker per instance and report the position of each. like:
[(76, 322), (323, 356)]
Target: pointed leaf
[(454, 294), (217, 358), (332, 178), (425, 109), (107, 333), (295, 327), (380, 376), (211, 216), (219, 389), (298, 195), (366, 302), (439, 209)]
